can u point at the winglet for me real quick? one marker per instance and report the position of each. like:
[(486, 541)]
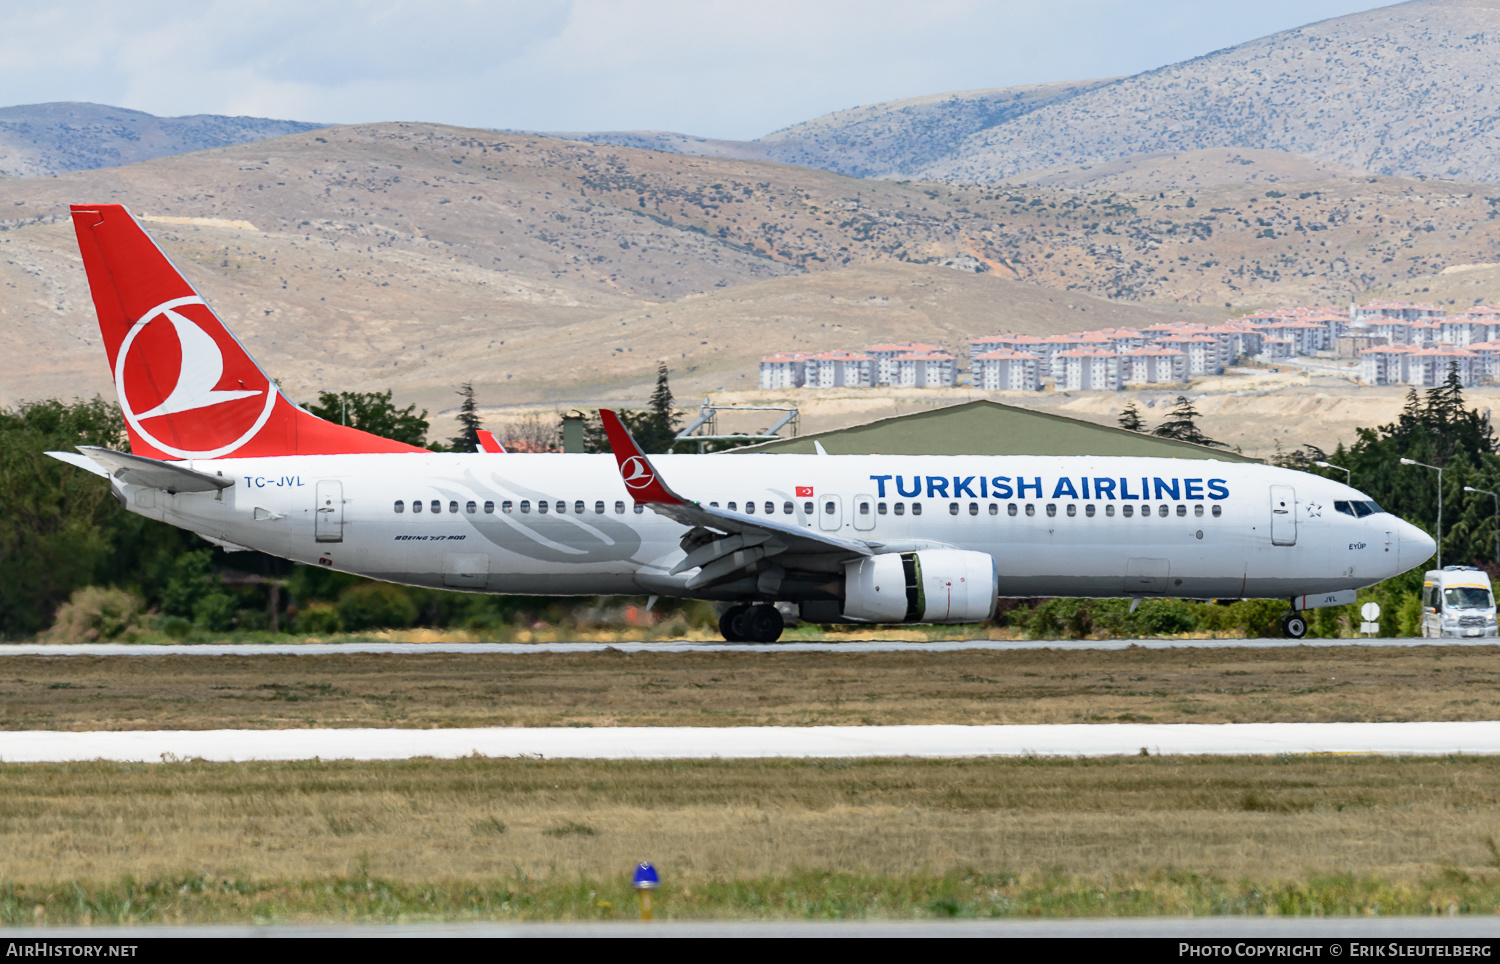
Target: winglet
[(636, 471), (488, 442)]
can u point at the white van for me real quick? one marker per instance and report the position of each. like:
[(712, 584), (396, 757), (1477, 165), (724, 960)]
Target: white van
[(1457, 601)]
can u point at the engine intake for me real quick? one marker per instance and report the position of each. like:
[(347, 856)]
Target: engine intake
[(931, 586)]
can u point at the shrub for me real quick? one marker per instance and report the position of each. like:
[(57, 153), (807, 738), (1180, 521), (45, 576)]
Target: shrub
[(376, 605), (94, 613), (1164, 617), (316, 619)]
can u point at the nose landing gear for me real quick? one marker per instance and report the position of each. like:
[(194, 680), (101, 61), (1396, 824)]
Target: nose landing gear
[(751, 624)]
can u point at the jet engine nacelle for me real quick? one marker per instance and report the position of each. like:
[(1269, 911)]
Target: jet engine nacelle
[(931, 586)]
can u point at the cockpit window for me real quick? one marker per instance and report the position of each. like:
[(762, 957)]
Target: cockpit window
[(1466, 597), (1357, 509)]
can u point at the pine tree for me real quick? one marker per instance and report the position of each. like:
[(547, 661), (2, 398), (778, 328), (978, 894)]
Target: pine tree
[(654, 428), (467, 439), (1130, 419), (1180, 424)]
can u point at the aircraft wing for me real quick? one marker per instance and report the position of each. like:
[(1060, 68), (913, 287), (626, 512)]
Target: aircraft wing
[(139, 470), (748, 534)]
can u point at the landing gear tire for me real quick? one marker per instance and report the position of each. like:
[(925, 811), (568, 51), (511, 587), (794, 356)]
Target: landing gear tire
[(1293, 626), (732, 624), (763, 624)]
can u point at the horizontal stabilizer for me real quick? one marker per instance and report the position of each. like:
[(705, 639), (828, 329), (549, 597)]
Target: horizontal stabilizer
[(81, 462), (139, 470)]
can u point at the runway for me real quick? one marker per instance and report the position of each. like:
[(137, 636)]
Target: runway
[(749, 742), (853, 646)]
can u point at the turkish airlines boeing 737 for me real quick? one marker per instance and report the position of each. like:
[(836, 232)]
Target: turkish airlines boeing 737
[(217, 449)]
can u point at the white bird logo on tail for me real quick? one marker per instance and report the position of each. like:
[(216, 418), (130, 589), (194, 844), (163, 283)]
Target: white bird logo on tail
[(202, 367)]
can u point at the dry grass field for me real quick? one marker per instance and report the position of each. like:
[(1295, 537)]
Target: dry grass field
[(529, 838), (613, 688)]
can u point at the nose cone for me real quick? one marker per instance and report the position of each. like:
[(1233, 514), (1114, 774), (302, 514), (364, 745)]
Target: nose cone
[(1414, 546)]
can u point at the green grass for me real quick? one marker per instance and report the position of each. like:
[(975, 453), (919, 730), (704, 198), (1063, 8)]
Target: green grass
[(803, 895)]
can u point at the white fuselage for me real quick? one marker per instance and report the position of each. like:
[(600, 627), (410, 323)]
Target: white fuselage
[(1082, 526)]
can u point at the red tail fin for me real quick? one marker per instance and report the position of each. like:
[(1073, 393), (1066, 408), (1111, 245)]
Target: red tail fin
[(187, 387)]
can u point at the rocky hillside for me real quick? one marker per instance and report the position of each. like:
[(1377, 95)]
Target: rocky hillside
[(1411, 90), (38, 139), (418, 256), (1408, 90)]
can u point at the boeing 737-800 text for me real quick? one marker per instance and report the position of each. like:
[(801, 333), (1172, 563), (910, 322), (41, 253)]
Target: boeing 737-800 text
[(216, 448)]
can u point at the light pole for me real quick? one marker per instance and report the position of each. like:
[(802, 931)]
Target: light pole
[(1348, 476), (1440, 505), (1496, 497)]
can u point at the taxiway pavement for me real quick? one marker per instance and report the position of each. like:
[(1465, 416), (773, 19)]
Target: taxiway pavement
[(748, 742), (853, 646)]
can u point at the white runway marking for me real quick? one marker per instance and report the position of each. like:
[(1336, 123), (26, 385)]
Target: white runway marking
[(746, 742), (854, 646)]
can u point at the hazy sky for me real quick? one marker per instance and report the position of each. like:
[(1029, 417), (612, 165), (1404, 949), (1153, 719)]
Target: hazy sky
[(719, 69)]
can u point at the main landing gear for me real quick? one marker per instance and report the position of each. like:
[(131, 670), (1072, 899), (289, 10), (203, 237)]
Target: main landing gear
[(1293, 626), (751, 624)]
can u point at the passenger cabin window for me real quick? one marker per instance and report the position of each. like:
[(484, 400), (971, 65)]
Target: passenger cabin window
[(578, 507), (599, 507), (880, 508), (807, 508), (916, 508), (1088, 510), (619, 508), (452, 506), (864, 508), (953, 508), (541, 506), (1109, 509), (400, 506), (525, 505), (787, 508), (506, 506), (1198, 510), (1051, 509), (437, 506), (416, 505), (1127, 510), (770, 508), (639, 508), (1162, 510), (750, 508), (561, 507), (1072, 509), (900, 508), (472, 508), (1010, 508), (734, 507), (489, 508), (1218, 510), (973, 508)]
